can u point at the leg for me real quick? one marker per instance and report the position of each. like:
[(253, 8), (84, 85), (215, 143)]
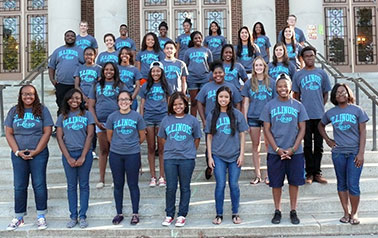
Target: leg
[(193, 102), (131, 165), (276, 173), (21, 173), (185, 170), (307, 149), (103, 156), (161, 153), (233, 183), (277, 192), (220, 171), (71, 177), (318, 147), (116, 163), (293, 192), (84, 172), (171, 167), (340, 166), (151, 149), (255, 133), (353, 181)]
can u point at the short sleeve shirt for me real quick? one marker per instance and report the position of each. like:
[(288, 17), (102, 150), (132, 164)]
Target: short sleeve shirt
[(174, 70), (88, 76), (183, 40), (86, 41), (233, 76), (198, 61), (129, 75), (215, 44), (105, 57), (162, 41), (146, 57), (127, 42), (263, 43), (293, 54), (299, 35), (280, 68), (245, 59)]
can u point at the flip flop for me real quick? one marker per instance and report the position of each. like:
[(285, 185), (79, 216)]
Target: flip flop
[(218, 220), (345, 219), (255, 180), (354, 221), (266, 180), (236, 219)]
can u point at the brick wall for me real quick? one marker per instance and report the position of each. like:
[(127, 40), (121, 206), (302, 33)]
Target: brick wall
[(87, 14), (133, 21), (282, 12), (237, 19)]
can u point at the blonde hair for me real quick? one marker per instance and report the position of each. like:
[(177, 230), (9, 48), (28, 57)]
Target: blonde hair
[(255, 81)]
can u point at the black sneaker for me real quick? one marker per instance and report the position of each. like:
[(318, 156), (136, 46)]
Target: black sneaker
[(294, 218), (277, 217), (117, 219)]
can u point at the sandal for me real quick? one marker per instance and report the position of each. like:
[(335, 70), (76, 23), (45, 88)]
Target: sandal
[(218, 220), (134, 219), (345, 219), (255, 180), (354, 221), (266, 180), (236, 219)]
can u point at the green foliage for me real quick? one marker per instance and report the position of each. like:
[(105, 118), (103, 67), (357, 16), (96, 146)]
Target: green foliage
[(38, 53), (10, 56)]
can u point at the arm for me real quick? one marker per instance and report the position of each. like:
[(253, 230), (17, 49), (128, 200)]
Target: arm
[(52, 76), (178, 50), (142, 136), (141, 106), (209, 154), (9, 135), (42, 142), (63, 148), (87, 145), (325, 97), (201, 111), (109, 135), (240, 160), (77, 86), (91, 108), (268, 53), (298, 140), (136, 89), (245, 107), (331, 143), (137, 64), (359, 160), (301, 62), (196, 142), (270, 139), (297, 95), (183, 84), (238, 106)]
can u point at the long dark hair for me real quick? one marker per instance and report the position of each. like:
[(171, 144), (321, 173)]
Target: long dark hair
[(254, 34), (251, 47), (292, 37), (129, 53), (163, 81), (117, 82), (192, 35), (36, 106), (66, 108), (286, 60), (156, 44), (219, 31), (233, 59), (217, 111)]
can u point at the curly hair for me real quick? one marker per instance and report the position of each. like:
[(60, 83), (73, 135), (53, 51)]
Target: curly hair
[(36, 106)]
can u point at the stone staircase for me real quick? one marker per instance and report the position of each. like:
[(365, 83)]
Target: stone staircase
[(318, 205)]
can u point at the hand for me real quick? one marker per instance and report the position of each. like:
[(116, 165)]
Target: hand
[(240, 161), (284, 154), (71, 162), (204, 124), (80, 161), (331, 143), (211, 163), (100, 125), (359, 160), (23, 155), (32, 153)]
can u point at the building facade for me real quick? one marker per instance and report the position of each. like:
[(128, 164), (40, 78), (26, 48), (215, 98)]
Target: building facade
[(344, 31)]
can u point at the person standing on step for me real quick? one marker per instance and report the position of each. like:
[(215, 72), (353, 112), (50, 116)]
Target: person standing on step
[(84, 40), (311, 86), (181, 134), (281, 63), (299, 35), (163, 38), (284, 126), (215, 41), (125, 131), (246, 49), (183, 40), (124, 40), (348, 147), (293, 48), (261, 40), (28, 127), (225, 129), (62, 65), (110, 55), (75, 130)]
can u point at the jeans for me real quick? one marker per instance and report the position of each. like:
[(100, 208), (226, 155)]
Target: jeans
[(313, 158), (73, 175), (134, 106), (347, 174), (178, 170), (119, 164), (220, 173), (35, 167)]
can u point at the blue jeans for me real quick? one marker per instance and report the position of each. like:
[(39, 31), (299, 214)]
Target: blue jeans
[(220, 173), (73, 175), (134, 105), (119, 164), (178, 170), (347, 174), (35, 167)]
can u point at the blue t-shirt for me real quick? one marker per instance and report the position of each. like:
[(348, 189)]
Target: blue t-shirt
[(106, 99), (257, 100), (75, 129), (345, 123), (155, 105), (146, 57), (244, 59), (129, 75), (215, 44), (127, 42), (88, 76), (198, 61), (293, 54), (180, 134), (64, 61), (105, 57), (125, 127), (174, 70), (184, 40), (224, 145), (312, 84), (86, 41), (299, 35), (263, 43), (207, 95), (284, 117), (275, 71), (28, 130), (162, 41), (233, 76)]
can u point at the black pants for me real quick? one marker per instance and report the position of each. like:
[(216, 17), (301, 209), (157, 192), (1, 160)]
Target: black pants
[(60, 91), (313, 157)]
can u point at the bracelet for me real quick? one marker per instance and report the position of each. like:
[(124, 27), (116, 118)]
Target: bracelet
[(17, 152), (292, 150), (277, 149)]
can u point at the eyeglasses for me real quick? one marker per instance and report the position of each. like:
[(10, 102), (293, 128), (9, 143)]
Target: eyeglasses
[(27, 94), (342, 93), (124, 100)]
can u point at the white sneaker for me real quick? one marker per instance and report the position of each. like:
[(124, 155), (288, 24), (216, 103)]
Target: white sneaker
[(180, 221), (162, 182), (95, 156), (41, 222), (100, 185), (153, 182), (167, 221), (15, 223)]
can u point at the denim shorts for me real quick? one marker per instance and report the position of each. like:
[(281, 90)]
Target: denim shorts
[(255, 122), (195, 86)]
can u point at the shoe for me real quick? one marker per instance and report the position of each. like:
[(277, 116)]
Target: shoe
[(320, 179), (134, 219), (117, 219), (277, 217), (41, 222), (100, 185), (72, 223), (309, 179), (95, 156), (15, 223), (162, 182), (180, 222), (83, 223), (208, 173), (294, 218), (256, 180), (167, 221), (152, 182)]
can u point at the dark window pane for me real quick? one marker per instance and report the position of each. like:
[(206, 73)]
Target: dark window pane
[(336, 36), (365, 34)]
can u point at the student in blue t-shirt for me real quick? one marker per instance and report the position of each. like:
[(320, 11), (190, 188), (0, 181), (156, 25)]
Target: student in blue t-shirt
[(129, 74), (110, 55), (348, 147), (293, 48), (102, 102), (75, 130), (181, 135), (261, 40), (257, 92), (149, 52), (215, 41), (281, 63), (83, 39), (225, 128), (124, 40), (153, 108), (125, 131), (284, 126), (28, 127), (163, 29), (299, 35), (183, 40), (246, 49), (198, 59)]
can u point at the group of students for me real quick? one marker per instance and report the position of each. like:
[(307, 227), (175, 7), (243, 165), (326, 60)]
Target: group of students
[(231, 99)]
